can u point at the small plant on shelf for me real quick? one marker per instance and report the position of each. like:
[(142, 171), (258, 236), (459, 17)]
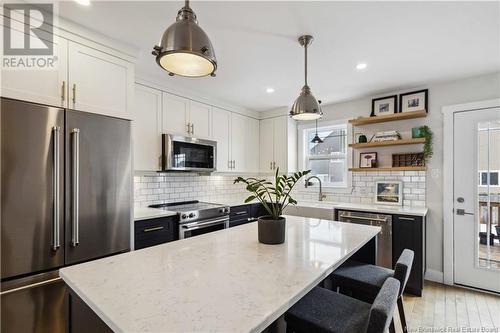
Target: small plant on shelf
[(426, 133), (275, 198)]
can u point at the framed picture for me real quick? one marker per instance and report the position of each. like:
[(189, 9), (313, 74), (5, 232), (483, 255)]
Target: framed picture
[(367, 160), (384, 105), (389, 193), (413, 101)]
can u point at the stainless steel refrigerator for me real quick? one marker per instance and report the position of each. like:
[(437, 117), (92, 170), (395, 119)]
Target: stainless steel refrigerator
[(65, 199)]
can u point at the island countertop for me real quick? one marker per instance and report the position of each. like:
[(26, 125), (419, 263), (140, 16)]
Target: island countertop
[(222, 281)]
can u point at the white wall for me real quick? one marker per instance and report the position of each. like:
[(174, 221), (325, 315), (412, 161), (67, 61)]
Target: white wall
[(440, 94)]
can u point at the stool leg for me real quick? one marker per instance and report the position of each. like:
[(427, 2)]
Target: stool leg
[(402, 314), (392, 329)]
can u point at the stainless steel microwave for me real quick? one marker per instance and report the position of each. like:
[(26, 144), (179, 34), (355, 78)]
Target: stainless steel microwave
[(181, 153)]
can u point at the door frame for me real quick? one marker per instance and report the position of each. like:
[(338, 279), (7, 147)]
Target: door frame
[(448, 178)]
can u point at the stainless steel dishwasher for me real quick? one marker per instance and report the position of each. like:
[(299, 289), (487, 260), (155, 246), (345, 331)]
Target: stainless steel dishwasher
[(384, 238)]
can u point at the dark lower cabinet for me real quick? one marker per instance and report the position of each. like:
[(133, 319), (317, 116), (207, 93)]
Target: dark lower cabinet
[(83, 319), (246, 213), (408, 232), (155, 231)]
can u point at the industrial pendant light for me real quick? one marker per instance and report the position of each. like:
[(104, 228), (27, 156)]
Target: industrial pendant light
[(185, 48), (316, 138), (306, 107)]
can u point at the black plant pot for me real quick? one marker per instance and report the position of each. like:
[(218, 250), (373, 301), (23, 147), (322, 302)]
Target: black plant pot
[(271, 231)]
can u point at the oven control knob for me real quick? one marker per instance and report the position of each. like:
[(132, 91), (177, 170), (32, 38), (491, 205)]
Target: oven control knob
[(184, 216), (191, 215)]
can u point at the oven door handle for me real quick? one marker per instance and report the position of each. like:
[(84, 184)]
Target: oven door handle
[(194, 226)]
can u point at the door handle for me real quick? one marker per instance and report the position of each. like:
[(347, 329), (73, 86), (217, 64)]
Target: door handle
[(63, 91), (192, 128), (271, 165), (463, 212), (153, 229), (234, 164), (75, 236), (188, 128), (56, 242), (74, 93), (274, 165)]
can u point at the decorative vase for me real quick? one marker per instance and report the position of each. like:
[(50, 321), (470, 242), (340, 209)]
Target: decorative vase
[(362, 139), (416, 132), (271, 231)]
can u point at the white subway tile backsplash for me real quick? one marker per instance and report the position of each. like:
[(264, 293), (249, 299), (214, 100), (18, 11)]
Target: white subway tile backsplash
[(151, 189)]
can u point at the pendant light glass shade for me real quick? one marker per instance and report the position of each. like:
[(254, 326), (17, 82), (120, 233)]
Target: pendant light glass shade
[(185, 48), (306, 107)]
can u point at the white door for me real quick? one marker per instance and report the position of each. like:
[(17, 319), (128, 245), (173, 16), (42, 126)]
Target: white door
[(99, 82), (175, 114), (42, 85), (252, 145), (266, 145), (221, 122), (199, 117), (146, 125), (238, 148), (280, 143), (477, 198)]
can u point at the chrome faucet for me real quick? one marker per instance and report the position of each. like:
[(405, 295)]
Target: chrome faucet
[(321, 195)]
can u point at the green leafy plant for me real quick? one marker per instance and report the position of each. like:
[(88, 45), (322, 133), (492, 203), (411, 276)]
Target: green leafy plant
[(274, 197), (428, 135)]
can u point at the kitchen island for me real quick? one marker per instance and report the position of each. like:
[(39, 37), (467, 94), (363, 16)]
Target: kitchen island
[(223, 281)]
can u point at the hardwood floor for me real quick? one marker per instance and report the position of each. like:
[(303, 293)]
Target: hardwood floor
[(450, 309)]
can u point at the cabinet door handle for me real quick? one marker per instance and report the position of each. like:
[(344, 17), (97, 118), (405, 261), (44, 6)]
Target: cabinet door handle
[(192, 128), (241, 213), (74, 93), (274, 165), (229, 164), (153, 229), (63, 91), (188, 128), (234, 164), (271, 165), (406, 218)]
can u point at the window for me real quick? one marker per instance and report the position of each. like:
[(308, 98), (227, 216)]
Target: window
[(327, 160), (483, 178)]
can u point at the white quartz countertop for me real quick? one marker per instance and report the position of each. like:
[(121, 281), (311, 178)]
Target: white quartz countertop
[(145, 213), (223, 281)]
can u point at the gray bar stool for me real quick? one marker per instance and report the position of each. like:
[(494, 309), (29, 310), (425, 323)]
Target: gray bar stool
[(325, 311), (363, 281)]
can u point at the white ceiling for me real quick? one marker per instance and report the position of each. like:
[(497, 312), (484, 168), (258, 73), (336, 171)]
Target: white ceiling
[(404, 44)]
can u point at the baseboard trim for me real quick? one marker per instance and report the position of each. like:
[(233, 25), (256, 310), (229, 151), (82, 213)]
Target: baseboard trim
[(434, 276)]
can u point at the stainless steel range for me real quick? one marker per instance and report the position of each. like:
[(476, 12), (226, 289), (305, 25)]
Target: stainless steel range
[(196, 218)]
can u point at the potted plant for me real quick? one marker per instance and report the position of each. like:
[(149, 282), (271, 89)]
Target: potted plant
[(275, 198)]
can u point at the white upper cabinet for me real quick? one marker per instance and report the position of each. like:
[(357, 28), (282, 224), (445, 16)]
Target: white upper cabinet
[(199, 119), (252, 145), (221, 123), (278, 137), (146, 128), (46, 85), (266, 145), (175, 114), (99, 83), (238, 140)]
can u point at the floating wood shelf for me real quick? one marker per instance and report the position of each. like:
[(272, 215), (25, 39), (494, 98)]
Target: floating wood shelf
[(389, 117), (388, 143), (410, 168)]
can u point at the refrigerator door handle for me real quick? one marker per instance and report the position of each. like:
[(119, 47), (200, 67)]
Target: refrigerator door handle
[(56, 242), (75, 237)]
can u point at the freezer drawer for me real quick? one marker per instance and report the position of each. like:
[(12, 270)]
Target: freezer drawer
[(35, 304)]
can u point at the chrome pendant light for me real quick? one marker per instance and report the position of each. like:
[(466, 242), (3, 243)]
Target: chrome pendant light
[(316, 138), (185, 48), (306, 107)]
